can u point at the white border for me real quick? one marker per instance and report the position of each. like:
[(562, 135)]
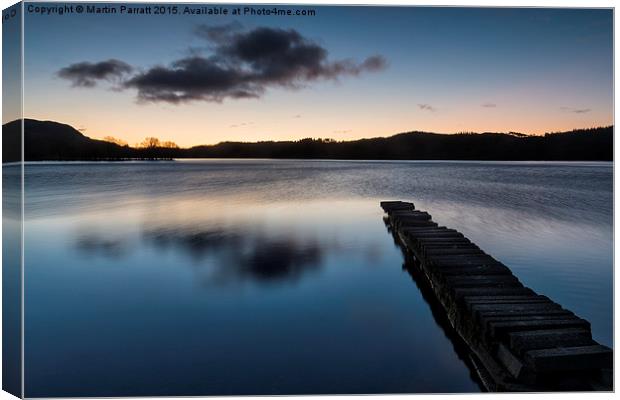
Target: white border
[(478, 3)]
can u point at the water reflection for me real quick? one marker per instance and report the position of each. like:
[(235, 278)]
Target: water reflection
[(11, 278), (241, 255), (412, 267), (94, 244), (198, 244), (220, 255), (183, 282), (542, 190)]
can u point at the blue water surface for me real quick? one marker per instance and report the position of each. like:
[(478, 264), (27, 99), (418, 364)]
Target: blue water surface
[(212, 277)]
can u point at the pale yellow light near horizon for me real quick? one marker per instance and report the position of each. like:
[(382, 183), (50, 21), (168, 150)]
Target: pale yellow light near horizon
[(286, 115), (192, 131), (134, 132)]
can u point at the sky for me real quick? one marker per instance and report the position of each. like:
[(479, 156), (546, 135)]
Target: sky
[(344, 73)]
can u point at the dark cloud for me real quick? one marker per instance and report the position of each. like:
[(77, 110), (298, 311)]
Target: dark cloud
[(426, 107), (86, 74), (193, 78), (242, 64), (489, 105)]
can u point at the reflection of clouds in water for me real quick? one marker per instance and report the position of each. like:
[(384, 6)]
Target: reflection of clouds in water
[(235, 255), (269, 259), (197, 244), (92, 243), (221, 255)]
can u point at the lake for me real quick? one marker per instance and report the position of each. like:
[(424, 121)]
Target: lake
[(210, 277)]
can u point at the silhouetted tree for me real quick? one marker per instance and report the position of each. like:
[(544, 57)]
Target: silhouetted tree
[(149, 143), (114, 140), (169, 145)]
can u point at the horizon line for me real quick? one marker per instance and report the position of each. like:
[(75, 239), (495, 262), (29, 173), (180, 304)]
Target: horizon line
[(464, 132)]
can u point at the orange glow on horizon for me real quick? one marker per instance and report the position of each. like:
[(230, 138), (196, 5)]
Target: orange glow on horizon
[(134, 132), (286, 115)]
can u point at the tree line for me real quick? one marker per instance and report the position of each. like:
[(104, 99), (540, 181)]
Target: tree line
[(45, 140)]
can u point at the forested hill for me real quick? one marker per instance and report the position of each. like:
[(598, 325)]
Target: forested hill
[(47, 140), (588, 144)]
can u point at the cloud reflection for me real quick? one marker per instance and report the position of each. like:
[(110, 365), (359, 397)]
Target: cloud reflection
[(94, 244), (221, 256), (227, 256)]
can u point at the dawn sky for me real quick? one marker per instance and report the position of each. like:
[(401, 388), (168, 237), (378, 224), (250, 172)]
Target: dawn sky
[(345, 73)]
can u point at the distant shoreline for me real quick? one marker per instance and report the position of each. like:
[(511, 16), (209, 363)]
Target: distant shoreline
[(87, 161), (53, 141)]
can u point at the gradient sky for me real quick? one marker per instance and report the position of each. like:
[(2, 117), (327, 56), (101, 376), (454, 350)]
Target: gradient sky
[(473, 69)]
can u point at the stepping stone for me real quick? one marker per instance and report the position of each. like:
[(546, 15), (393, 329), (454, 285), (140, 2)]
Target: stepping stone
[(456, 261), (526, 300), (448, 251), (488, 316), (400, 220), (512, 363), (406, 212), (521, 342), (459, 293), (442, 242), (506, 299), (447, 270), (447, 245), (460, 281), (570, 358), (396, 205), (430, 229), (425, 249), (497, 329), (485, 307), (416, 224), (429, 232)]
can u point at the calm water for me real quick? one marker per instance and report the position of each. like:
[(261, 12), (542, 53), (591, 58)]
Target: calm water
[(275, 277)]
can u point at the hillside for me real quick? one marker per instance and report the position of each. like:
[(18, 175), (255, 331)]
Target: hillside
[(47, 140)]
